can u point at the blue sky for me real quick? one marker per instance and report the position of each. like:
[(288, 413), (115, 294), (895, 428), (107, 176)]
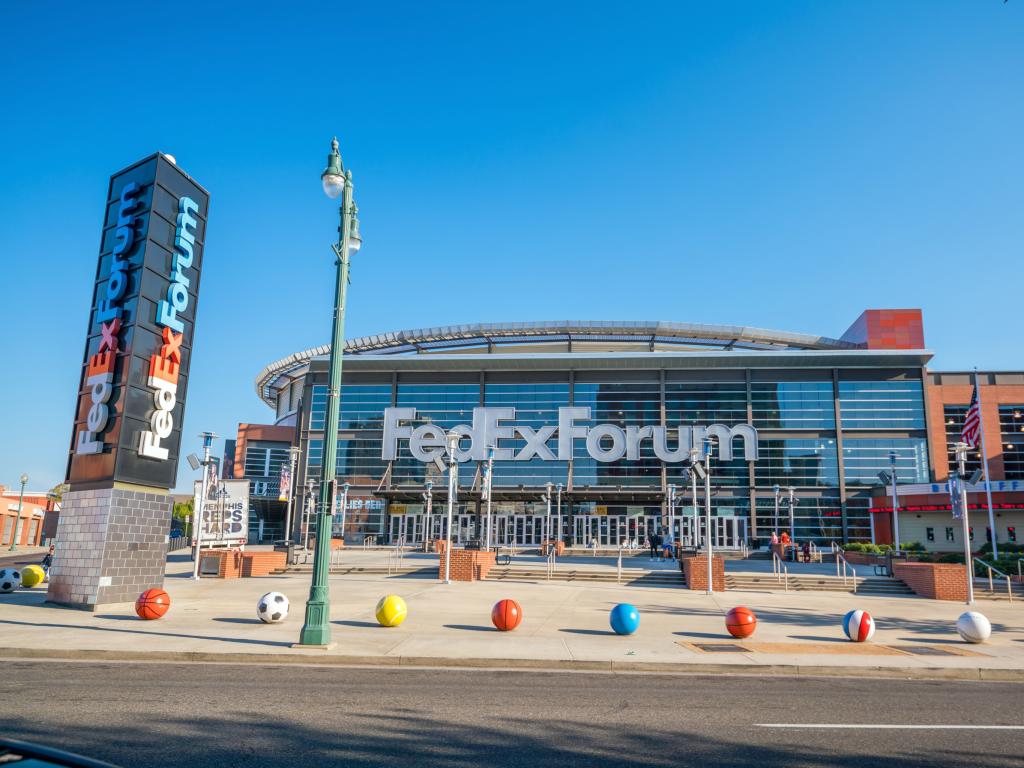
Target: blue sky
[(777, 164)]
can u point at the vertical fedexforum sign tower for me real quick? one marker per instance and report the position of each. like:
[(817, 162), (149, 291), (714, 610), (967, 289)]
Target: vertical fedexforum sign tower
[(115, 517)]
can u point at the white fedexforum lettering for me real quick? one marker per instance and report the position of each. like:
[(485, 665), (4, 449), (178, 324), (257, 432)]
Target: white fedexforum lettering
[(604, 442), (165, 365)]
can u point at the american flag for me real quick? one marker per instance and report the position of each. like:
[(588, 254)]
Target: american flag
[(972, 422)]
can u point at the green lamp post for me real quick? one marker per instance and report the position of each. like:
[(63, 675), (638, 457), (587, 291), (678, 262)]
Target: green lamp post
[(17, 520), (316, 631)]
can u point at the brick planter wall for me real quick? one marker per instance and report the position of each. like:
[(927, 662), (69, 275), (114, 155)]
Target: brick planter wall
[(559, 548), (861, 558), (939, 581), (468, 565), (696, 570), (335, 543), (263, 563)]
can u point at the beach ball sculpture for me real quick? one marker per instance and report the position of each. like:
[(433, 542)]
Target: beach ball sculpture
[(391, 611), (152, 604), (859, 626), (741, 622), (10, 579), (624, 619), (506, 615), (973, 627), (32, 576), (272, 608)]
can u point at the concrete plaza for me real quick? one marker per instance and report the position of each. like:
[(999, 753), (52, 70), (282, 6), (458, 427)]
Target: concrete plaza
[(565, 626)]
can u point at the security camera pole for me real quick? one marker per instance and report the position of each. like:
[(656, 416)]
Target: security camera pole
[(452, 440), (958, 488), (895, 502), (707, 507), (204, 487)]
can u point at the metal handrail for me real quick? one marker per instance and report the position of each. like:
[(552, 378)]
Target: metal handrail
[(396, 555), (780, 571), (846, 564), (369, 541), (618, 567), (992, 569)]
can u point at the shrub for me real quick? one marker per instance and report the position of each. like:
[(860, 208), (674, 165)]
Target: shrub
[(950, 557), (912, 546)]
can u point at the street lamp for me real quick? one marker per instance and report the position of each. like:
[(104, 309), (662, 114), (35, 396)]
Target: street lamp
[(17, 520), (671, 515), (696, 473), (707, 508), (959, 486), (775, 525), (792, 520), (316, 631), (558, 515), (428, 496), (490, 488), (547, 518), (452, 441), (204, 488)]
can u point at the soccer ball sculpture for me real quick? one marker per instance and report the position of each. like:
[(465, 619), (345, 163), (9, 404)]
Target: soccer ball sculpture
[(152, 604), (859, 626), (32, 576), (272, 608), (391, 611), (973, 627), (741, 622), (10, 579), (624, 619), (506, 615)]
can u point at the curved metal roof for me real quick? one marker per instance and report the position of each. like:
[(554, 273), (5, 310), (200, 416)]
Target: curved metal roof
[(487, 336)]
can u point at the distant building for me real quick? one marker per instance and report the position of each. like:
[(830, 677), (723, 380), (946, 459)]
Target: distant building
[(34, 508)]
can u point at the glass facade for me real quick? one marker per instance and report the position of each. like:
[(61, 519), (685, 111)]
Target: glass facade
[(953, 422), (798, 431)]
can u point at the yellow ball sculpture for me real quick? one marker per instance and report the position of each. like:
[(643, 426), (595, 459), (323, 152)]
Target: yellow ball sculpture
[(32, 576), (391, 611)]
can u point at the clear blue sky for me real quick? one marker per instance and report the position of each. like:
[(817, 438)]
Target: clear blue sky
[(776, 164)]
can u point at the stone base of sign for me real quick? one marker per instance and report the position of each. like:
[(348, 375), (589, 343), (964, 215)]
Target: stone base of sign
[(111, 545)]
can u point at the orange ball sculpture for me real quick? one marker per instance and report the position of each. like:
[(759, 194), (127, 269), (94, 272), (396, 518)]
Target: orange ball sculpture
[(152, 604), (741, 622), (506, 615)]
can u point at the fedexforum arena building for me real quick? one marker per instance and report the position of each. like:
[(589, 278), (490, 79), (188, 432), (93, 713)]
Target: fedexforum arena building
[(604, 415)]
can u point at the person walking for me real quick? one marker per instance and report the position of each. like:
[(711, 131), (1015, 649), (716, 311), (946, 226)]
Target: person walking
[(653, 540)]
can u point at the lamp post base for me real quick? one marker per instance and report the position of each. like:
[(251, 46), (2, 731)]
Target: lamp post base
[(316, 631), (327, 647)]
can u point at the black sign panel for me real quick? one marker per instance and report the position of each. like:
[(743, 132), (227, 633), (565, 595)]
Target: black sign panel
[(141, 327)]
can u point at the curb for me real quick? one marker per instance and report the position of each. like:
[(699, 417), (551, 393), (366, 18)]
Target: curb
[(626, 667)]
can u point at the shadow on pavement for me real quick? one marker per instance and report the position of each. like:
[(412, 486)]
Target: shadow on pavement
[(354, 623), (86, 627), (602, 632), (471, 627)]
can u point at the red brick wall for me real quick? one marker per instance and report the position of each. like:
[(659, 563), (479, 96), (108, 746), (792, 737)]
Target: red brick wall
[(887, 329), (696, 570), (263, 563), (467, 564), (939, 581)]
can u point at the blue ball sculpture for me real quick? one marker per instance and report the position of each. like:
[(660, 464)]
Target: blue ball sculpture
[(625, 619)]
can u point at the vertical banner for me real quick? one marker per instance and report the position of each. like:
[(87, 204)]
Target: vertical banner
[(285, 485), (225, 518), (138, 347)]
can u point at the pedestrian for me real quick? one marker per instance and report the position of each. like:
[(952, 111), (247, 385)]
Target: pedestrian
[(775, 537), (667, 548), (652, 542)]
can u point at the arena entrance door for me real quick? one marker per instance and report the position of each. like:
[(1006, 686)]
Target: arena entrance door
[(726, 532)]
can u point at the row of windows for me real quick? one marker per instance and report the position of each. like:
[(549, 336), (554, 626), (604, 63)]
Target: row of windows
[(773, 405)]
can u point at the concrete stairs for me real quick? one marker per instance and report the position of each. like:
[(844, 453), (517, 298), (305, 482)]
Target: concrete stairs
[(564, 572), (872, 586), (998, 591)]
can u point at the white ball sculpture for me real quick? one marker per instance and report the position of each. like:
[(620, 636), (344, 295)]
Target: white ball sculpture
[(272, 608), (859, 626), (10, 579), (973, 627)]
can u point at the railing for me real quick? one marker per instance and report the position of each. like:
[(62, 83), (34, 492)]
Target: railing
[(846, 565), (174, 543), (618, 568), (551, 562), (991, 570), (369, 541), (396, 556), (780, 571)]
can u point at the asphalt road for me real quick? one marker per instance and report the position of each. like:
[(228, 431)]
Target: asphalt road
[(241, 715)]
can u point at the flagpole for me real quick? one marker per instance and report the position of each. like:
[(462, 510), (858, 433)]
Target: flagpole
[(984, 465)]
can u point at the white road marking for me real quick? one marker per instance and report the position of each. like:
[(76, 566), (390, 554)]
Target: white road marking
[(894, 726)]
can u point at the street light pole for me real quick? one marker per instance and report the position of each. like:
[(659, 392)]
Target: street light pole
[(547, 518), (490, 488), (961, 461), (558, 515), (695, 533), (671, 515), (316, 630), (895, 503), (775, 527), (203, 489), (293, 458), (792, 520), (344, 509), (711, 584), (453, 473), (17, 520), (428, 528)]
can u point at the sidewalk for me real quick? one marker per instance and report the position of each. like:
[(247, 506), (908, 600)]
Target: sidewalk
[(565, 626)]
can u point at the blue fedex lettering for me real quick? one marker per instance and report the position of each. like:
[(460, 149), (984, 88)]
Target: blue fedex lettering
[(107, 308), (177, 292)]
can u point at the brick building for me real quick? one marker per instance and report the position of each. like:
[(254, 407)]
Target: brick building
[(29, 528)]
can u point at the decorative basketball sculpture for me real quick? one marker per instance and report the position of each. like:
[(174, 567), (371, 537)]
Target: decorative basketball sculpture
[(624, 618), (152, 604), (10, 579), (32, 576), (506, 614), (973, 627), (272, 608), (741, 622), (859, 626), (391, 611)]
